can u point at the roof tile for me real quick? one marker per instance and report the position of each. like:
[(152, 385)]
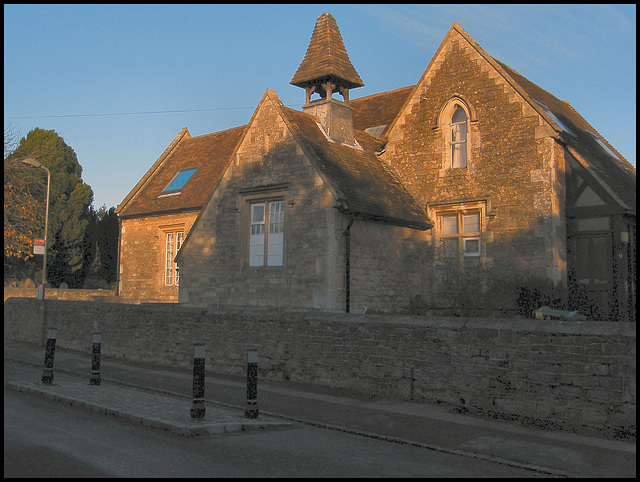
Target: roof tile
[(210, 152), (326, 56)]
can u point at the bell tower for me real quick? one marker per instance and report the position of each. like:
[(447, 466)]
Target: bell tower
[(325, 70)]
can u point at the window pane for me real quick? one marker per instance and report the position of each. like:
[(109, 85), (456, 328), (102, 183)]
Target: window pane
[(276, 249), (472, 247), (471, 223), (450, 247), (459, 155), (276, 234), (459, 138), (256, 243), (256, 250), (459, 116), (450, 224), (179, 240), (180, 180), (458, 133), (257, 213), (276, 217), (168, 272)]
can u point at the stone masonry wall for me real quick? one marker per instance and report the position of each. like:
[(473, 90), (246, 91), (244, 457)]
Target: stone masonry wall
[(142, 256), (63, 294), (387, 266), (514, 166), (269, 166), (571, 374)]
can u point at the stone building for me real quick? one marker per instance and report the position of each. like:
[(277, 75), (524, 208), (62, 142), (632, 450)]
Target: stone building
[(455, 192), (159, 211)]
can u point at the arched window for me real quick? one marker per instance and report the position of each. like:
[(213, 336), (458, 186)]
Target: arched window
[(459, 138)]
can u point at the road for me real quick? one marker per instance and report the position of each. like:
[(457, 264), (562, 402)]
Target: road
[(44, 438)]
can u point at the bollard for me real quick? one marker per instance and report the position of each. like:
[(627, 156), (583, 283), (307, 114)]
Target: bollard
[(95, 361), (252, 383), (50, 351), (197, 408)]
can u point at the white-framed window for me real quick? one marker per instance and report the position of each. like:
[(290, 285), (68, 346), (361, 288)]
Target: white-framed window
[(460, 233), (458, 138), (173, 243), (455, 125), (266, 233)]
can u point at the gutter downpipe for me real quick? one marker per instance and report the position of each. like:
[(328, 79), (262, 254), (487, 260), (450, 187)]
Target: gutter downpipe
[(118, 256), (347, 255)]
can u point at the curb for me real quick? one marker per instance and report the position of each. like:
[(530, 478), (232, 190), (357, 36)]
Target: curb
[(192, 429)]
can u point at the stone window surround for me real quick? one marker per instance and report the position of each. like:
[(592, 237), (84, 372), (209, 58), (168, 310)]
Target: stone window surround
[(481, 206), (173, 229), (443, 126), (261, 194)]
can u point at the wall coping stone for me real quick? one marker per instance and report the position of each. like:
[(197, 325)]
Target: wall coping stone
[(566, 327)]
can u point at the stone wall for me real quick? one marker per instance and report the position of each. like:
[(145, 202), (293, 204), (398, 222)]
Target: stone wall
[(268, 166), (514, 174), (63, 294), (142, 255), (573, 374)]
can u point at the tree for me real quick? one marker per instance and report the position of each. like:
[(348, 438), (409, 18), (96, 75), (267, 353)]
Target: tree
[(25, 195), (23, 210), (101, 240)]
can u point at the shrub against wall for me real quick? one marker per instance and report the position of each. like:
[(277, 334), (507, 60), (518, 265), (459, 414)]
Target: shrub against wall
[(468, 287)]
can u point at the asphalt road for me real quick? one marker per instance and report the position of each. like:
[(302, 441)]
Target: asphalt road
[(44, 438)]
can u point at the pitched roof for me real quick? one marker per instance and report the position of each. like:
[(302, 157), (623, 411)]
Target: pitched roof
[(362, 183), (326, 56), (359, 179), (210, 153), (379, 109), (592, 150)]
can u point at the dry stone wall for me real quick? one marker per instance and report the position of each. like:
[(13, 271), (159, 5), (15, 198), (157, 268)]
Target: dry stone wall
[(572, 374)]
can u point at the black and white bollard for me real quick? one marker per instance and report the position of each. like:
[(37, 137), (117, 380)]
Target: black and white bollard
[(95, 360), (252, 383), (197, 408), (49, 354)]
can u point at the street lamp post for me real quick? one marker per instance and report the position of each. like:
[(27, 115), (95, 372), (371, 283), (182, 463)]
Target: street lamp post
[(34, 163)]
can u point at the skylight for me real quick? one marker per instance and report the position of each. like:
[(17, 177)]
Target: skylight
[(555, 119), (375, 131), (180, 179), (603, 145)]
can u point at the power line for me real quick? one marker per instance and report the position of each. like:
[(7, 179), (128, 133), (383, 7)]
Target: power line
[(134, 113)]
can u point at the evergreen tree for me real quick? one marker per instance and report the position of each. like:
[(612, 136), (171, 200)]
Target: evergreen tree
[(101, 241), (70, 199)]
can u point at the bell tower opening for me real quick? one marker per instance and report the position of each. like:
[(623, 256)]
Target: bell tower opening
[(326, 74)]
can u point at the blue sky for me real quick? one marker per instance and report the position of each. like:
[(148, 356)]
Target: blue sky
[(118, 82)]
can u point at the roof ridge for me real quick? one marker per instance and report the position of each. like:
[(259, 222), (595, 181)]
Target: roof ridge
[(218, 132), (379, 94), (589, 128)]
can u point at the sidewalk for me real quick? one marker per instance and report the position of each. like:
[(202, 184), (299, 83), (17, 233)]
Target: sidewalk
[(161, 397)]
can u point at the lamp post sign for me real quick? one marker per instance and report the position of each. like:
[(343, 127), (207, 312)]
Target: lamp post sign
[(38, 246)]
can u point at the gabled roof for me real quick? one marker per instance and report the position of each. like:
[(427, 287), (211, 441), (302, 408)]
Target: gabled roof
[(362, 183), (379, 109), (594, 153), (360, 179), (613, 172), (326, 56), (210, 153)]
